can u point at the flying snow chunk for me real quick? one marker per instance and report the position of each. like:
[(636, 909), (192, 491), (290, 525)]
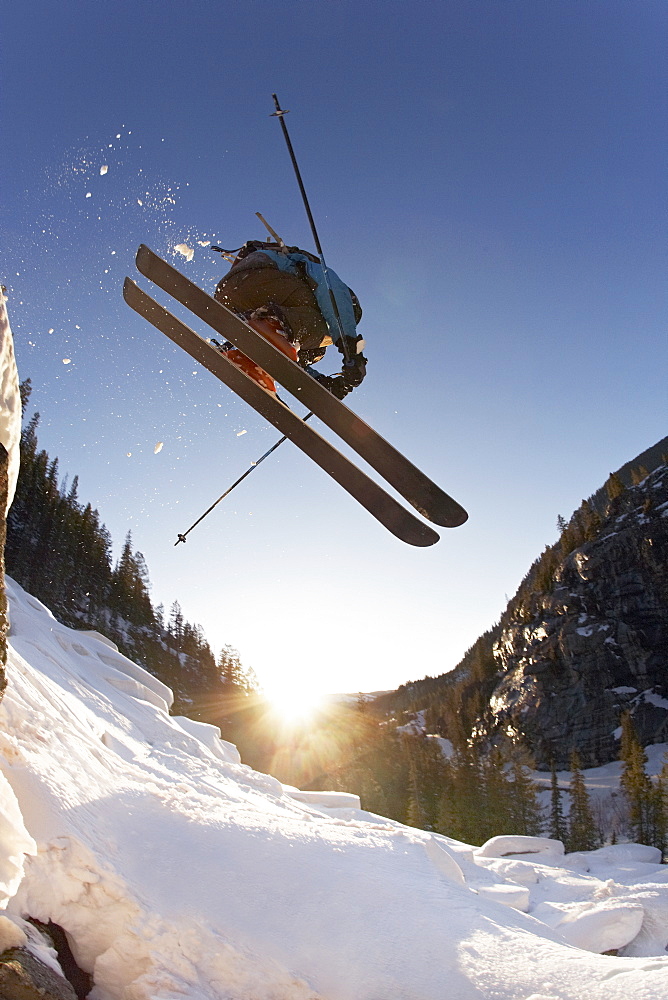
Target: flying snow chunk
[(204, 243), (158, 447), (103, 169), (240, 433), (185, 251), (139, 201), (89, 195), (66, 361)]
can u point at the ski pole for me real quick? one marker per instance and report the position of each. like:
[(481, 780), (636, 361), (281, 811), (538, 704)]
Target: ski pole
[(182, 537), (280, 113)]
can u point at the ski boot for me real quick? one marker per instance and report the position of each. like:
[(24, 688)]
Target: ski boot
[(269, 326)]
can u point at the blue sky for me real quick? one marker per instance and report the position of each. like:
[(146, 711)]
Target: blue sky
[(488, 177)]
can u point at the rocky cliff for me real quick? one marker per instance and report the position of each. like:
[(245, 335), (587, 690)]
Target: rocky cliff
[(586, 637)]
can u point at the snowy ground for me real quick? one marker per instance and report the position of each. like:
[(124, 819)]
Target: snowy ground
[(179, 872)]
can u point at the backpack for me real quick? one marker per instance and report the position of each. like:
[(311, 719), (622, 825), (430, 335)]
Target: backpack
[(309, 267)]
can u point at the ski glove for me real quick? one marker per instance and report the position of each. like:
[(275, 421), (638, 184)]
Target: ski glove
[(354, 366), (353, 371), (334, 384)]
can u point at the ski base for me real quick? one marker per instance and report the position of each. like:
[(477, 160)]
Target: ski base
[(417, 488), (401, 522)]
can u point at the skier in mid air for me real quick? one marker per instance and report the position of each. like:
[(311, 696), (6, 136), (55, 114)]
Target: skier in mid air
[(282, 293)]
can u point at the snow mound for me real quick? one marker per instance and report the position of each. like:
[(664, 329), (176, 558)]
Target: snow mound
[(597, 927), (324, 800), (501, 847), (177, 871), (15, 841), (10, 400)]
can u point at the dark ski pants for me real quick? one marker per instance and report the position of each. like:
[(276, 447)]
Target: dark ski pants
[(244, 289)]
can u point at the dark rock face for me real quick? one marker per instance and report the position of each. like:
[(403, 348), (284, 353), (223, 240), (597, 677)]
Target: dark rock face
[(594, 643), (55, 936), (24, 977)]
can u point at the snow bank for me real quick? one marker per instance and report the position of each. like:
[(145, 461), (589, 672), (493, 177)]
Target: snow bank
[(15, 841), (597, 927), (324, 800), (10, 400), (177, 871), (210, 737), (501, 847)]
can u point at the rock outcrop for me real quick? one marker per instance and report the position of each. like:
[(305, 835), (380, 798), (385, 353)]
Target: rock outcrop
[(24, 977), (589, 639)]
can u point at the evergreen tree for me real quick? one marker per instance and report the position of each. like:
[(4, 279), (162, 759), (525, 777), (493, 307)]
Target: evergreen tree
[(129, 587), (582, 833), (25, 389), (498, 812), (557, 829), (417, 812), (461, 801), (426, 771), (175, 627), (637, 785), (526, 814), (659, 819), (614, 487)]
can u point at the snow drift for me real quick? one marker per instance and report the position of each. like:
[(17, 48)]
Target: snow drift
[(10, 400), (179, 872)]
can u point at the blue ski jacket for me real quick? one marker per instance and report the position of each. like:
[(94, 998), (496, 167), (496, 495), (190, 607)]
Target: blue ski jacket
[(289, 262)]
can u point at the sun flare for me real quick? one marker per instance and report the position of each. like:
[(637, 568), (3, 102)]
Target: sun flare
[(294, 705)]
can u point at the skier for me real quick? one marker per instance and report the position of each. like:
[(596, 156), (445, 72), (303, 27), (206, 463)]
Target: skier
[(282, 293)]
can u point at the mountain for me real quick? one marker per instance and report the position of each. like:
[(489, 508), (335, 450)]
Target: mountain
[(594, 642), (583, 640)]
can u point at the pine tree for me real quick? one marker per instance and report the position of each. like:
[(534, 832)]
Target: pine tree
[(25, 389), (526, 812), (130, 597), (582, 833), (497, 813), (636, 784), (476, 795), (558, 829), (461, 796), (416, 812), (659, 819), (175, 627), (614, 486)]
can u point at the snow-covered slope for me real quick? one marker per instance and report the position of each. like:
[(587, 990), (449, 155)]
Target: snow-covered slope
[(10, 400), (179, 872)]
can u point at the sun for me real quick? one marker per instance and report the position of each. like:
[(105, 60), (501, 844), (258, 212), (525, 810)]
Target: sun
[(294, 705)]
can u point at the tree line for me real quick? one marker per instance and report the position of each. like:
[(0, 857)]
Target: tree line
[(474, 792), (58, 549)]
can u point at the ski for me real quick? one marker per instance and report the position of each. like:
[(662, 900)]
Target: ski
[(368, 493), (420, 491)]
